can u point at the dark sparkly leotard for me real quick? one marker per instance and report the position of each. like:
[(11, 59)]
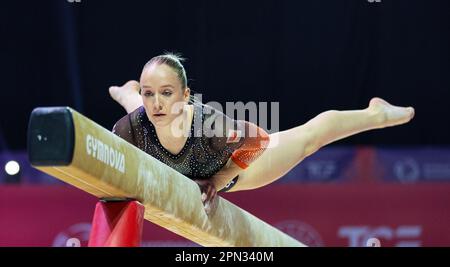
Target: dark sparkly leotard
[(207, 149)]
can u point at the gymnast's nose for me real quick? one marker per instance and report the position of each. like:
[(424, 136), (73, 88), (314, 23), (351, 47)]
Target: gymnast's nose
[(157, 105)]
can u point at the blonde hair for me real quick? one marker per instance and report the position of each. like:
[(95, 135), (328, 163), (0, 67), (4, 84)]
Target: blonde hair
[(174, 61)]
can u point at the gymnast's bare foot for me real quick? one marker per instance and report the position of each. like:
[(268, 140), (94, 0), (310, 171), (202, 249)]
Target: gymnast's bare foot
[(390, 115), (127, 95)]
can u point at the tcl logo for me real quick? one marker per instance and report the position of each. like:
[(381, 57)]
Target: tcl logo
[(402, 236)]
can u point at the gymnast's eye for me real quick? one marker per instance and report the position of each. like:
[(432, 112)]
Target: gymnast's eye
[(167, 93), (148, 93)]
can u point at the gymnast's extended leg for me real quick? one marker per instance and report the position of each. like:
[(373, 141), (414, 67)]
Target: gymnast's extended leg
[(296, 144)]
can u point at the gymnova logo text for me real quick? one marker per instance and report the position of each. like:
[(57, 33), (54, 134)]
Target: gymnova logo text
[(104, 153)]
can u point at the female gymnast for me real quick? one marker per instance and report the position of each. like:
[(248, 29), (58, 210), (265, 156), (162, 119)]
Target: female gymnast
[(225, 154)]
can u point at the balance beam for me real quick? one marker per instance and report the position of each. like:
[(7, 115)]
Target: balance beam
[(76, 150)]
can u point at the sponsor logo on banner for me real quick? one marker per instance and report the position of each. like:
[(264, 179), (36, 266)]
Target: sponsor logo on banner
[(76, 235), (301, 231), (407, 170), (321, 169), (401, 236)]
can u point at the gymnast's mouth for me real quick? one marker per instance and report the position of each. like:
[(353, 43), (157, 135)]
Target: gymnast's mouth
[(159, 114)]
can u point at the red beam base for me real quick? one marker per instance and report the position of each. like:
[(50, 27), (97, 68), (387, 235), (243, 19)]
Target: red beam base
[(117, 224)]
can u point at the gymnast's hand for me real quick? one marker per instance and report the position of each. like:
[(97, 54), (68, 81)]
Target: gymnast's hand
[(209, 195)]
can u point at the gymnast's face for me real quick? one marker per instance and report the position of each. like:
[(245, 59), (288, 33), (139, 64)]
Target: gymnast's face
[(162, 94)]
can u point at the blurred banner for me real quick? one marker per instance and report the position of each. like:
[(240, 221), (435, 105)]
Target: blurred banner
[(330, 164), (331, 214)]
